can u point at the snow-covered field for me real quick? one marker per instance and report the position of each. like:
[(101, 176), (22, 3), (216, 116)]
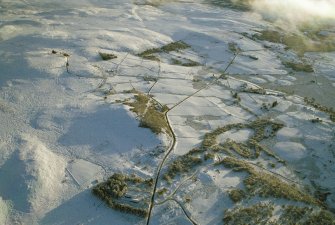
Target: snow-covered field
[(64, 127)]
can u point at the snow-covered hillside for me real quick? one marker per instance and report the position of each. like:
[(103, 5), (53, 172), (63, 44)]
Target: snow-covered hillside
[(212, 104)]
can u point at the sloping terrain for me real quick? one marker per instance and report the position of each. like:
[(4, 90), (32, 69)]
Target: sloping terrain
[(178, 112)]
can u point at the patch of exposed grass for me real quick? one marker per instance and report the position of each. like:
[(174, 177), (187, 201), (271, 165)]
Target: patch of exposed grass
[(185, 62), (297, 42), (329, 110), (174, 46), (262, 213), (253, 57), (107, 56), (164, 108), (241, 5), (162, 191), (233, 47), (300, 67), (305, 215), (260, 91), (261, 125), (176, 62), (235, 164), (270, 35), (151, 57), (150, 78), (236, 96), (130, 91), (236, 195), (183, 164), (151, 114), (209, 147), (191, 63), (293, 214), (323, 217), (267, 185), (153, 3), (259, 214), (150, 52), (263, 129), (240, 148)]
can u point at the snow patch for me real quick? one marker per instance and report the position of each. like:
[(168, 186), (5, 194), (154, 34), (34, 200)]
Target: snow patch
[(287, 133), (84, 172), (238, 136), (4, 211), (45, 171), (290, 150)]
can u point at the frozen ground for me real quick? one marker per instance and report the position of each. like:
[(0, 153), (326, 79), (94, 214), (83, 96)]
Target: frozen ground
[(64, 127)]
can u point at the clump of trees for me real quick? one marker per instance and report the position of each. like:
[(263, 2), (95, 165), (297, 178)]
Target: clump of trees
[(115, 187)]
